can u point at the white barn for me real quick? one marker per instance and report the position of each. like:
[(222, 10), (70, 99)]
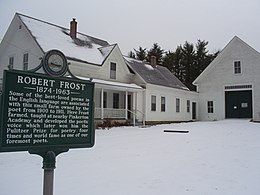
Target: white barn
[(230, 86), (125, 89)]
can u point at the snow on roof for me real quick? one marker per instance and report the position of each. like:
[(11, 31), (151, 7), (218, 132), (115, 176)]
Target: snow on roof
[(84, 48), (112, 83), (149, 67), (106, 49), (158, 75)]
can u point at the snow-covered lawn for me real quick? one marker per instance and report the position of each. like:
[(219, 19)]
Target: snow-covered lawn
[(221, 158)]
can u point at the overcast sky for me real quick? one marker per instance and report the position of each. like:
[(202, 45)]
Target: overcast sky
[(134, 23)]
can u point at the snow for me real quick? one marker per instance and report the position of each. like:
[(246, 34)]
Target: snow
[(119, 84), (220, 157), (132, 59), (116, 84), (149, 67), (54, 37), (106, 50)]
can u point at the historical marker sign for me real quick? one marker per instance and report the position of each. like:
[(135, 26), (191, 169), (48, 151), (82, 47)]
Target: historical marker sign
[(43, 112)]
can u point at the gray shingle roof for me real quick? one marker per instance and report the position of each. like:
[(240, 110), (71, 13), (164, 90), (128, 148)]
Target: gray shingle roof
[(158, 75)]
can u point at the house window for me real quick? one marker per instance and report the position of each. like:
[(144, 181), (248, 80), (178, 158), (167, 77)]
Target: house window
[(11, 62), (153, 103), (115, 100), (25, 61), (163, 104), (237, 67), (178, 104), (188, 105), (210, 107), (112, 70)]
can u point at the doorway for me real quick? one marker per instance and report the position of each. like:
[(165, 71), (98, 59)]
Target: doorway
[(238, 104), (194, 111)]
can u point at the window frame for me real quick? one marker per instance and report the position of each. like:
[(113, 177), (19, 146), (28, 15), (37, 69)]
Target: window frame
[(163, 104), (188, 106), (237, 67), (113, 70), (153, 103), (11, 62), (178, 105), (25, 61), (116, 100), (210, 106)]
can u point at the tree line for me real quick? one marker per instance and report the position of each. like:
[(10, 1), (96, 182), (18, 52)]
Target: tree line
[(186, 62)]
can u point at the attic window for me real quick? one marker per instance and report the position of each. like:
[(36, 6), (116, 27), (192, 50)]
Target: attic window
[(237, 67), (20, 26), (112, 70)]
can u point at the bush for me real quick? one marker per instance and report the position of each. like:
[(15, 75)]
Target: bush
[(108, 123)]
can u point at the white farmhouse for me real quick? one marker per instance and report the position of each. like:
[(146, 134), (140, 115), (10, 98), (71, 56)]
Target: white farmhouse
[(125, 89), (165, 98), (230, 86)]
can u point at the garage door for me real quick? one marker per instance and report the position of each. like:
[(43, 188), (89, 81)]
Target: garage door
[(238, 104)]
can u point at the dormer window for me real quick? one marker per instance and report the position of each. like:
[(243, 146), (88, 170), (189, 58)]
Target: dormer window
[(112, 70), (237, 67)]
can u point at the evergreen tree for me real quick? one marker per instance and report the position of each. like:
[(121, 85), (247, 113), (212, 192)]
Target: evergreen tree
[(157, 52), (188, 62), (169, 60), (141, 53), (173, 61), (212, 56), (201, 57), (131, 54), (178, 68)]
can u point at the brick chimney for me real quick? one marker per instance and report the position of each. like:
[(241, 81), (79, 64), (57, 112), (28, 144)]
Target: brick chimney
[(73, 29), (153, 61)]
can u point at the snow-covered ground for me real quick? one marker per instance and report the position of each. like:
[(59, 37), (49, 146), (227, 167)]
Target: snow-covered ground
[(220, 157)]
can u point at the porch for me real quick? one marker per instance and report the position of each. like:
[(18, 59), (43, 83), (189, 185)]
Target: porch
[(117, 101)]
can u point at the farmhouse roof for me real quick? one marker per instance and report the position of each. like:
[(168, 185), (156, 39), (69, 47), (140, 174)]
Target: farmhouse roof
[(157, 75), (83, 48)]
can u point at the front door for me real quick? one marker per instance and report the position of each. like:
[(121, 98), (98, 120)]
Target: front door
[(238, 104), (194, 111)]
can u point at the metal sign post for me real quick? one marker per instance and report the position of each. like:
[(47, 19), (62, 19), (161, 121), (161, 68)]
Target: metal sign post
[(48, 165), (46, 114)]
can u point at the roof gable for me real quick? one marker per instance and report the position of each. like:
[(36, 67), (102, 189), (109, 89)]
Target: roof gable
[(122, 70), (235, 44), (158, 75), (49, 36)]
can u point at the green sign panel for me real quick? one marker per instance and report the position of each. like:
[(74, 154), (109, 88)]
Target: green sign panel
[(40, 112)]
